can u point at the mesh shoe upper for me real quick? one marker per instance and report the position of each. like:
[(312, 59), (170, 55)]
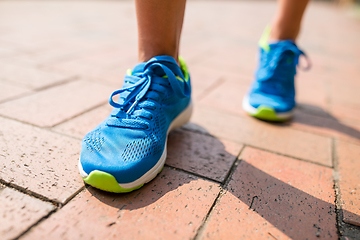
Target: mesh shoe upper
[(132, 139), (274, 79)]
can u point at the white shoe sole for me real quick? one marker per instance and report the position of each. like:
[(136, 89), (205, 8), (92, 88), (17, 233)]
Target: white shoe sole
[(254, 111)]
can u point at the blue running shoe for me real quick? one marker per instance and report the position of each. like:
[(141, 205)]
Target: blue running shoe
[(272, 94), (128, 149)]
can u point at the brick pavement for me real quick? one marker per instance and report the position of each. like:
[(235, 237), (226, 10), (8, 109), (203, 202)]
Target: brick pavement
[(227, 175)]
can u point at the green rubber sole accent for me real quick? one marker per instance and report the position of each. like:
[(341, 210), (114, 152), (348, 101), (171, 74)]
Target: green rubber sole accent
[(268, 114), (106, 182)]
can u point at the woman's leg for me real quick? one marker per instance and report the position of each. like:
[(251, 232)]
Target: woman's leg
[(127, 135), (159, 27), (287, 21)]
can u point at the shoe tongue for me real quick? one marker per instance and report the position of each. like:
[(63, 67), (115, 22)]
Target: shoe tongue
[(271, 42), (283, 44), (165, 60), (139, 68)]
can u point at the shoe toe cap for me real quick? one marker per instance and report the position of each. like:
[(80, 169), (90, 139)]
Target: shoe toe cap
[(279, 104), (125, 160)]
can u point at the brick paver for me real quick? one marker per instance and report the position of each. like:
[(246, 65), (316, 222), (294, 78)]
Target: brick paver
[(275, 138), (201, 154), (172, 206), (235, 61), (7, 50), (199, 87), (311, 90), (345, 111), (228, 95), (327, 126), (345, 94), (60, 61), (81, 125), (107, 66), (57, 104), (19, 212), (30, 77), (348, 156), (39, 161), (270, 196), (8, 91), (310, 115)]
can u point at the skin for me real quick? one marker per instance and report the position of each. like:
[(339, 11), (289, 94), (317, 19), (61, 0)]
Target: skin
[(287, 20), (160, 24), (159, 27)]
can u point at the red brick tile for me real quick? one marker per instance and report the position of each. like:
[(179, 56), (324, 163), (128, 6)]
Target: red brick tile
[(328, 126), (108, 67), (30, 77), (44, 54), (226, 29), (202, 79), (201, 154), (308, 116), (193, 47), (8, 91), (273, 137), (343, 111), (38, 160), (75, 66), (323, 65), (18, 212), (109, 57), (348, 156), (314, 110), (232, 58), (339, 66), (81, 125), (6, 51), (172, 206), (228, 96), (55, 105), (345, 93), (338, 82), (311, 90), (271, 196)]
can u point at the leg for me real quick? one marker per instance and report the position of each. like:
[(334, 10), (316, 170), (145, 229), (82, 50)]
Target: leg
[(287, 21), (128, 149), (159, 27)]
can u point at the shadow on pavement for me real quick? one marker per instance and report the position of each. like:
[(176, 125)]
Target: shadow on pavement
[(294, 212), (322, 119), (189, 152)]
